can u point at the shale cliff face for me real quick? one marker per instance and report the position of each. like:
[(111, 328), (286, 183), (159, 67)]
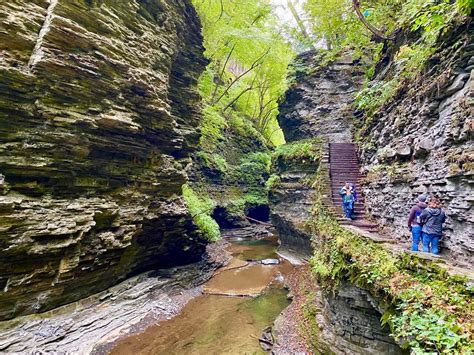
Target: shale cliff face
[(98, 115), (421, 142), (319, 103), (318, 107)]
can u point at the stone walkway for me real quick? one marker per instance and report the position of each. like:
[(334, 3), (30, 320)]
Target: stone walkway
[(344, 166)]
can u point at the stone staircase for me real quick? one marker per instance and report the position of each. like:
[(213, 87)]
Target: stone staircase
[(344, 167)]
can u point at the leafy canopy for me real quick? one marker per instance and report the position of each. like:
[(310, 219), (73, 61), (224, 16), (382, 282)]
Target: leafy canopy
[(249, 61)]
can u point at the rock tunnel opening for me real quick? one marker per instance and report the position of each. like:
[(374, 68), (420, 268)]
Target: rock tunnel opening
[(259, 212)]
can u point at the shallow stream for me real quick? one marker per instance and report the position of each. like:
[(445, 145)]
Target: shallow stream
[(238, 303)]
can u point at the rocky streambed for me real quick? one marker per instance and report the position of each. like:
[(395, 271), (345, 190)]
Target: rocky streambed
[(221, 305), (230, 317), (125, 308)]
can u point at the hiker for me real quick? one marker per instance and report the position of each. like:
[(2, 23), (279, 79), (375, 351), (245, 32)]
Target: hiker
[(432, 219), (347, 195), (414, 220), (354, 191)]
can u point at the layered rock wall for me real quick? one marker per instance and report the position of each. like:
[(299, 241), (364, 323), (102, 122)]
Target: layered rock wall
[(422, 143), (98, 115), (351, 321), (319, 103), (291, 202)]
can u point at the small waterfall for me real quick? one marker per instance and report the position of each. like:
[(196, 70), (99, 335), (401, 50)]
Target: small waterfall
[(37, 53)]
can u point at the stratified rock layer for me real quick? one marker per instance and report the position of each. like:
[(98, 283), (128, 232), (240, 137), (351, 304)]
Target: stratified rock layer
[(319, 104), (422, 142), (98, 109)]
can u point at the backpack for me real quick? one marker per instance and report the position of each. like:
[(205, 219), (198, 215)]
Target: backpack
[(418, 217)]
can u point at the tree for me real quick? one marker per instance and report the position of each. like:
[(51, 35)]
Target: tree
[(249, 60)]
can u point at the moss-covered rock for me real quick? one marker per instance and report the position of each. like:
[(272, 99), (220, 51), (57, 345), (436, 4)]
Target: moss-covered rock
[(98, 117)]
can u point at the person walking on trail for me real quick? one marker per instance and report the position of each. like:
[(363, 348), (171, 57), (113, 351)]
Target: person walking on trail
[(432, 219), (347, 195), (414, 221)]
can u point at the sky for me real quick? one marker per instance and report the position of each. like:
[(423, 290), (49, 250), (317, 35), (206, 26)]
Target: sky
[(283, 12)]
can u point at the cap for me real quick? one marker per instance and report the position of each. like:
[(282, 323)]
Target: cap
[(422, 198)]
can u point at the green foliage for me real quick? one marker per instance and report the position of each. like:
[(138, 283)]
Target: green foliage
[(214, 162), (272, 182), (249, 60), (211, 127), (253, 172), (336, 24), (308, 150), (254, 169), (465, 6), (242, 127), (201, 208), (371, 98), (433, 310)]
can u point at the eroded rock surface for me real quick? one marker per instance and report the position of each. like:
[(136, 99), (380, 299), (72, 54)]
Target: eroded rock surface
[(99, 320), (422, 143), (319, 104), (98, 115)]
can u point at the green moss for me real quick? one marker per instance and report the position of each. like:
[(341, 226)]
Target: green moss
[(307, 150), (212, 126), (253, 170), (201, 208), (431, 311), (272, 182), (214, 162), (244, 128)]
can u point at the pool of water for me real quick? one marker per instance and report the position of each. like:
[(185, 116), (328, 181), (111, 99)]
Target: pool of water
[(216, 323)]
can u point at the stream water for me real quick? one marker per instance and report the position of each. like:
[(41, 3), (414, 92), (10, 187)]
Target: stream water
[(238, 303)]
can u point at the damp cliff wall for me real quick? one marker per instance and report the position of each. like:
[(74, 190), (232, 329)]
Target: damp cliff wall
[(422, 142), (98, 117)]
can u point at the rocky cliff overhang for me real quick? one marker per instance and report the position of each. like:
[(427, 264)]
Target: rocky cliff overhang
[(98, 115)]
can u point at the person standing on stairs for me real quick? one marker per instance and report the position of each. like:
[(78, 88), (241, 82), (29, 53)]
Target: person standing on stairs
[(432, 219), (414, 220), (348, 199)]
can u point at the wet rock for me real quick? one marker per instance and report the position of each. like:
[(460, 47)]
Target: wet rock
[(404, 152), (457, 84), (270, 261), (95, 321), (319, 104), (96, 137), (248, 232), (423, 147), (266, 340), (442, 152)]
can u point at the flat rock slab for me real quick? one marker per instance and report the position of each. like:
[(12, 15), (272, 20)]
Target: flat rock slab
[(77, 328), (270, 262), (248, 281)]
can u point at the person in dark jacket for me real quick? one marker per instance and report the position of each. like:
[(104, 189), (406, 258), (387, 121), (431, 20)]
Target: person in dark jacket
[(432, 219), (414, 220)]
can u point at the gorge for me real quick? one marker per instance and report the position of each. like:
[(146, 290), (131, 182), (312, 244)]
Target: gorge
[(164, 159)]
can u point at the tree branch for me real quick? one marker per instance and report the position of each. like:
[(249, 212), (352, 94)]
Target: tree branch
[(252, 67), (367, 24)]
